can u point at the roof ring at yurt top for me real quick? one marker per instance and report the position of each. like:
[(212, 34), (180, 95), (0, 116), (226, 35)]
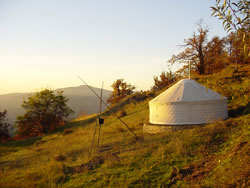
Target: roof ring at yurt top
[(187, 90)]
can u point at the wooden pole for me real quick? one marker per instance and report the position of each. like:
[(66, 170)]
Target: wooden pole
[(137, 138), (189, 77), (93, 140), (100, 111)]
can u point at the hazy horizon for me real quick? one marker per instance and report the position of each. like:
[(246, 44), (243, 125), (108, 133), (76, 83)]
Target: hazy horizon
[(46, 44), (39, 89)]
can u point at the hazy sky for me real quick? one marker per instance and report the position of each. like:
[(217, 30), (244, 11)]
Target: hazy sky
[(47, 43)]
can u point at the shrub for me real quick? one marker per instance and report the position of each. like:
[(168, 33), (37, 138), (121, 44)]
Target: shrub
[(45, 111)]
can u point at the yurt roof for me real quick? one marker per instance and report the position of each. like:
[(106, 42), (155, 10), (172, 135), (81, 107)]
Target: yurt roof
[(187, 90)]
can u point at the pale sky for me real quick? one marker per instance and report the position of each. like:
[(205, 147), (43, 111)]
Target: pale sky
[(47, 43)]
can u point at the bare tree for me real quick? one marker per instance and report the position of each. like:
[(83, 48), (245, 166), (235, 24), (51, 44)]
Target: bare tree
[(195, 50)]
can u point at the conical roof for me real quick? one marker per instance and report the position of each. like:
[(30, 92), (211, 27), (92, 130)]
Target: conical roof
[(187, 90)]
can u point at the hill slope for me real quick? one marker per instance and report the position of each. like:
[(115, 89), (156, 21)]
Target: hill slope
[(215, 155), (81, 100)]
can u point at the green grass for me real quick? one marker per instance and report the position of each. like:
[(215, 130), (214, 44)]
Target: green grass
[(215, 155)]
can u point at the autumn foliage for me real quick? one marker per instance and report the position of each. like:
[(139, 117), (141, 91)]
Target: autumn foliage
[(45, 111), (120, 90), (165, 79), (211, 56)]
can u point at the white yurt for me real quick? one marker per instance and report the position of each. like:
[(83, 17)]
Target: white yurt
[(187, 103)]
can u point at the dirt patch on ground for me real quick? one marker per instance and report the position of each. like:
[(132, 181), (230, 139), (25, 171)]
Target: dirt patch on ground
[(194, 172), (92, 164), (197, 171)]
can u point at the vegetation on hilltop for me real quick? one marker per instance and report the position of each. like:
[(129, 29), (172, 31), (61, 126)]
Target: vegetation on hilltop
[(235, 16), (121, 90), (164, 80), (210, 56)]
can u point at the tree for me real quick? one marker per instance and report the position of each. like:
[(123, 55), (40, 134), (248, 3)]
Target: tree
[(195, 50), (217, 55), (235, 16), (206, 57), (4, 126), (120, 90), (163, 80), (45, 111), (236, 49)]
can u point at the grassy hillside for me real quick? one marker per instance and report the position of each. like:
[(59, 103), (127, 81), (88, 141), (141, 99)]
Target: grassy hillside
[(215, 155)]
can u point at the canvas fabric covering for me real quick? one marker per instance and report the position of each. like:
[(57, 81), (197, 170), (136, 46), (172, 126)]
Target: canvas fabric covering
[(187, 102)]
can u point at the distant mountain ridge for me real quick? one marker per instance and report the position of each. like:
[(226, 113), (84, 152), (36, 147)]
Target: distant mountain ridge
[(81, 100), (83, 90)]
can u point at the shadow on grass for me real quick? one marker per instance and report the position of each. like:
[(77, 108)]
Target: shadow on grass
[(21, 143), (74, 124), (241, 110)]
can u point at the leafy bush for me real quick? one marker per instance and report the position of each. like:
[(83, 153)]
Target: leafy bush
[(45, 111)]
